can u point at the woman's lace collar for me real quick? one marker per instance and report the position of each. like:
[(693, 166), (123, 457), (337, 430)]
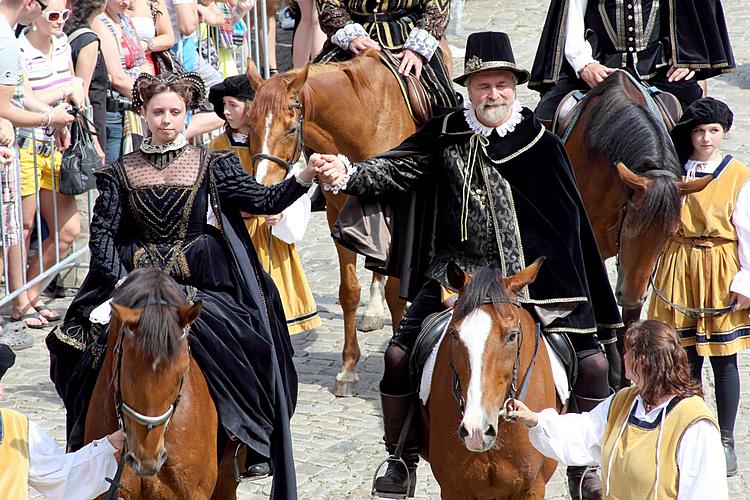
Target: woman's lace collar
[(471, 118), (178, 143)]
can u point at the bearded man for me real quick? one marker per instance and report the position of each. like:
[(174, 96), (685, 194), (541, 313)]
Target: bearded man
[(507, 196)]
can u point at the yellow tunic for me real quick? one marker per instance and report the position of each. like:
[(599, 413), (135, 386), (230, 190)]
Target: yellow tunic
[(14, 455), (698, 265), (278, 258), (632, 469)]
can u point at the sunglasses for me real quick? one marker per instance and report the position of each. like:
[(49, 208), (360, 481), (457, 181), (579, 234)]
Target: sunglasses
[(55, 15)]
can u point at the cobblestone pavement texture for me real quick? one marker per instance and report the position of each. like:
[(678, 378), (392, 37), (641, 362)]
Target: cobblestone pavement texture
[(338, 442)]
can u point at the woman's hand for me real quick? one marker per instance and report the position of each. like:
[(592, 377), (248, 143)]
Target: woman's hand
[(362, 43), (7, 134), (6, 156), (741, 302), (524, 415), (272, 220), (117, 440)]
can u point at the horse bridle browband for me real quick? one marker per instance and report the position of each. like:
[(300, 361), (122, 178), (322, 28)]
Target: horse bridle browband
[(504, 410), (299, 143)]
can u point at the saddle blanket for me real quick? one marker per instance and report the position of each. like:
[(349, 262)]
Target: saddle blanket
[(558, 372)]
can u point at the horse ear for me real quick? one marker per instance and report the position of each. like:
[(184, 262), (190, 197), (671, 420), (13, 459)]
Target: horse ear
[(253, 74), (457, 278), (189, 313), (688, 187), (631, 179), (295, 85), (127, 316), (524, 277)]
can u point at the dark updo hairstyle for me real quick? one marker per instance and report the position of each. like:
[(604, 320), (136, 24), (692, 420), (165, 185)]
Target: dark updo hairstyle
[(80, 12), (189, 86), (657, 354)]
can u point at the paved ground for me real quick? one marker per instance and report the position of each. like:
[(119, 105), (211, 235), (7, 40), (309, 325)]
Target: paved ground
[(337, 442)]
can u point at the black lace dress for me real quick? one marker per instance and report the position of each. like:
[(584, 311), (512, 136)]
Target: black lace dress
[(180, 212)]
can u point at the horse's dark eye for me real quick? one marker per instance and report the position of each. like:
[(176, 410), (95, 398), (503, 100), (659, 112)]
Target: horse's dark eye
[(291, 131), (512, 336)]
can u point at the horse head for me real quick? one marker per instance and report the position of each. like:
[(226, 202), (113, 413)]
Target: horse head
[(487, 334), (150, 317), (276, 137), (647, 221)]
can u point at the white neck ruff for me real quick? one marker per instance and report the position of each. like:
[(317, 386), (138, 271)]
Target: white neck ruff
[(506, 128), (179, 142)]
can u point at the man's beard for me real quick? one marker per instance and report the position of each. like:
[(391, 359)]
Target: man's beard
[(495, 111)]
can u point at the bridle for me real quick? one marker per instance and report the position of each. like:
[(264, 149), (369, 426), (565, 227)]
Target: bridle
[(299, 142), (619, 225), (507, 406)]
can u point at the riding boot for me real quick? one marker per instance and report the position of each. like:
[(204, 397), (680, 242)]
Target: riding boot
[(727, 439), (584, 483), (399, 482)]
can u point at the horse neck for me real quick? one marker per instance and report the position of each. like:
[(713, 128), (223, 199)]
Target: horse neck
[(365, 126)]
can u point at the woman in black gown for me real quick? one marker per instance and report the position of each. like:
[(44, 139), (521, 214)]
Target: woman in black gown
[(177, 208)]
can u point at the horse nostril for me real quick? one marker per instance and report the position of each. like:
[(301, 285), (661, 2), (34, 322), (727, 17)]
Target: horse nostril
[(491, 432), (463, 433)]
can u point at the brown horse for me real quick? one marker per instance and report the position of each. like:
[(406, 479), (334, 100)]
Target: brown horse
[(491, 348), (150, 383), (630, 182), (354, 108)]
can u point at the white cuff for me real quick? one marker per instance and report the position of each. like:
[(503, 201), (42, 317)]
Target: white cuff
[(301, 182), (581, 59), (421, 42), (741, 283), (103, 447), (343, 37), (350, 169)]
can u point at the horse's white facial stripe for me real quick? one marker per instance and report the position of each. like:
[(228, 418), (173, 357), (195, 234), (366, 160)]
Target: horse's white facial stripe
[(262, 169), (473, 332)]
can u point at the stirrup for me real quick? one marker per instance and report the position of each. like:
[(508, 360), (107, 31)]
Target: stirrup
[(239, 476), (385, 494)]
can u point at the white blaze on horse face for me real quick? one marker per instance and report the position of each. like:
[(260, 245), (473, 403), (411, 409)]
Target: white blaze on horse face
[(262, 168), (473, 332)]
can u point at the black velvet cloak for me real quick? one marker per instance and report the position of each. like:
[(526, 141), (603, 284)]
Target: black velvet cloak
[(695, 31)]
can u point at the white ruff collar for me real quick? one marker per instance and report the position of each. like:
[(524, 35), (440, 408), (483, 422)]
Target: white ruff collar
[(471, 118), (178, 143), (239, 138)]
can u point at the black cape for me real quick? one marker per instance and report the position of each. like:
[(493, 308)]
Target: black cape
[(697, 30)]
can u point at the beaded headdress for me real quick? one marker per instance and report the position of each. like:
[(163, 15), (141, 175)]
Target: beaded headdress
[(193, 80)]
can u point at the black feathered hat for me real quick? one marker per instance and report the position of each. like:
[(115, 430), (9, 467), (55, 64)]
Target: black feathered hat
[(701, 112), (490, 50), (235, 86)]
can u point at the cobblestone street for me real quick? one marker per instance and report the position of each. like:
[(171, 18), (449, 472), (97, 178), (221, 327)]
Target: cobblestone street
[(338, 441)]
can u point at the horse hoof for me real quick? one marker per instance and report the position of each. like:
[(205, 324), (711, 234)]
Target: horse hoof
[(346, 388), (370, 323)]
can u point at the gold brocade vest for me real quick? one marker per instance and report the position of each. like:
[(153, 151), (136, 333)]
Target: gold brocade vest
[(630, 462), (14, 455)]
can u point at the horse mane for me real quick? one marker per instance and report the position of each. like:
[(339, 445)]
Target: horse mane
[(622, 130), (486, 285), (157, 294)]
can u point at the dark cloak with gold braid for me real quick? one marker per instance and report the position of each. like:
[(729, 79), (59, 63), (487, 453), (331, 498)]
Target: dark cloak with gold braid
[(693, 32)]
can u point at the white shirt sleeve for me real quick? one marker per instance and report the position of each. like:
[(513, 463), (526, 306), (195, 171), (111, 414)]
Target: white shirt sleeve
[(72, 476), (573, 438), (292, 226), (741, 222), (700, 459), (578, 51)]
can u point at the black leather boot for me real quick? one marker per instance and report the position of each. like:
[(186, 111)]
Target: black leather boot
[(727, 439), (399, 482), (584, 484)]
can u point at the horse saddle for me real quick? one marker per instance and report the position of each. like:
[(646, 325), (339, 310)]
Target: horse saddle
[(669, 106), (432, 331), (561, 345), (412, 89)]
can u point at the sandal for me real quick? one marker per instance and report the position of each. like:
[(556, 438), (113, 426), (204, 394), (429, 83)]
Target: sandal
[(34, 315), (50, 319)]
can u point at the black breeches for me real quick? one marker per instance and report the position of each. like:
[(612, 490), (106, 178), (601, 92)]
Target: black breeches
[(727, 382)]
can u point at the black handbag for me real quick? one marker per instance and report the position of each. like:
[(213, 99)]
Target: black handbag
[(80, 160)]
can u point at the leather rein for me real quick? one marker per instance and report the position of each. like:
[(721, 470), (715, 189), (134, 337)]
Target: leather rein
[(299, 143), (507, 405)]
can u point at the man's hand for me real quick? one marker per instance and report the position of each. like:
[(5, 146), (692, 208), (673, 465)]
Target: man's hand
[(410, 59), (594, 74), (59, 116), (362, 43), (6, 156), (742, 301), (7, 134), (329, 168), (272, 220), (677, 74)]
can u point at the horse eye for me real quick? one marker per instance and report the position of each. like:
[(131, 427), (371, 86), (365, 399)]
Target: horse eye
[(512, 336), (291, 131)]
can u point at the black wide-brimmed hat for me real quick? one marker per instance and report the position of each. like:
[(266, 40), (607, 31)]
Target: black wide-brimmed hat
[(7, 359), (701, 112), (490, 50), (235, 86)]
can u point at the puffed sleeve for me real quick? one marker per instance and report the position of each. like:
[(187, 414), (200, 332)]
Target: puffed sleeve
[(105, 222), (424, 37), (239, 191)]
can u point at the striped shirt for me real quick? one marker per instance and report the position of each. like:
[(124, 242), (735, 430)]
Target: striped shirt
[(45, 71)]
